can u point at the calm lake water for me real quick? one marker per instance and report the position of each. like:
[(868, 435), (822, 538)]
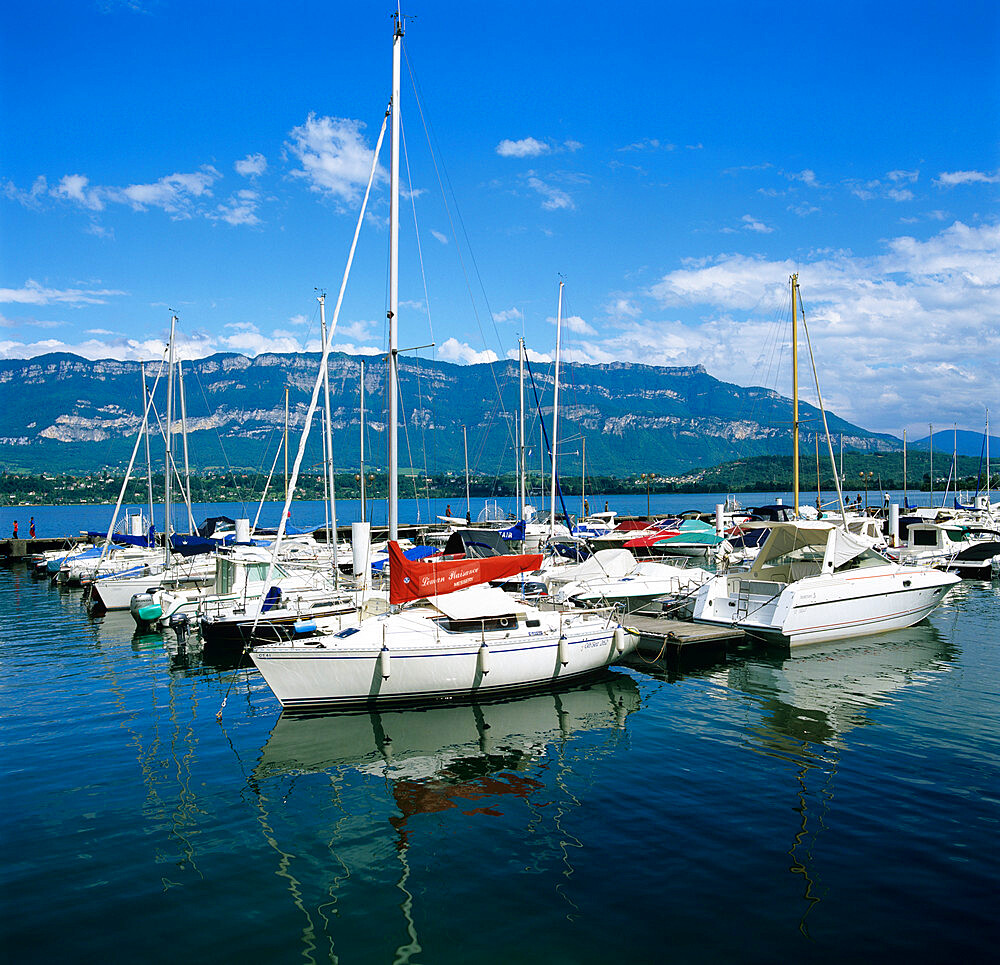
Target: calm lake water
[(843, 802)]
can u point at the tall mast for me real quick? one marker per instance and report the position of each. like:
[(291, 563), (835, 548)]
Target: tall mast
[(184, 440), (795, 396), (145, 431), (555, 421), (397, 42), (328, 442), (904, 469), (362, 394), (930, 446), (168, 460), (583, 479), (465, 442), (987, 459), (521, 450)]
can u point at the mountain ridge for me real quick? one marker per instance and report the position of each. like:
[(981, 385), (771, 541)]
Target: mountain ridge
[(64, 412)]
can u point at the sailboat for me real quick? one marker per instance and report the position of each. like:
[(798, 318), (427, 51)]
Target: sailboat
[(813, 581), (447, 635)]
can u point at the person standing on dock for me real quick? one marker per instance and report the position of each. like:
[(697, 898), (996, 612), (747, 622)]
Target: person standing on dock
[(15, 529), (31, 528)]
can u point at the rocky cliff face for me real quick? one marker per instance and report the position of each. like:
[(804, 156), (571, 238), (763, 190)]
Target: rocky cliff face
[(85, 414)]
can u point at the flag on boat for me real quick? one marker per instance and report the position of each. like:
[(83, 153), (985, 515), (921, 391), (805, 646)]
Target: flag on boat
[(416, 579)]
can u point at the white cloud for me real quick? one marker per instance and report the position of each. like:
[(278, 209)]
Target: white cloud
[(554, 198), (750, 223), (648, 144), (252, 166), (952, 178), (454, 351), (508, 315), (334, 158), (807, 177), (533, 356), (438, 236), (573, 323), (173, 193), (30, 198), (895, 320), (240, 209), (526, 147), (34, 294), (75, 187)]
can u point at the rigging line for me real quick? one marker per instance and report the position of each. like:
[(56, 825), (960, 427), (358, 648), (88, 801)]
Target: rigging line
[(427, 300), (218, 435), (409, 451), (454, 232), (826, 428)]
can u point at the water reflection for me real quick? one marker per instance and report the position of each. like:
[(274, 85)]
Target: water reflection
[(810, 698), (817, 694), (465, 759)]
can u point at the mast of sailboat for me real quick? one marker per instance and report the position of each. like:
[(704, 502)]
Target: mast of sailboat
[(555, 421), (168, 460), (145, 432), (904, 470), (286, 439), (987, 459), (397, 43), (930, 447), (521, 450), (328, 468), (184, 441), (465, 443), (362, 396), (583, 478), (795, 396)]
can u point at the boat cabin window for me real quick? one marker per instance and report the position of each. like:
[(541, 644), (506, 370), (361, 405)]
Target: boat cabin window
[(477, 626), (924, 537)]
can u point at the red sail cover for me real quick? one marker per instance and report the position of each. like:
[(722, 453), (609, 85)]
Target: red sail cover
[(416, 579)]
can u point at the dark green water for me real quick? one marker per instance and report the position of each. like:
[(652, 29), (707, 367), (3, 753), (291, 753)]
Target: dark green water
[(839, 803)]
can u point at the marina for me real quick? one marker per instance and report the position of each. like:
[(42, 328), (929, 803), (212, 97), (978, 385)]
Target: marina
[(142, 775), (401, 695)]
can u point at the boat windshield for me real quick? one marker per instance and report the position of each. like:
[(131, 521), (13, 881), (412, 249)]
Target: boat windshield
[(791, 554)]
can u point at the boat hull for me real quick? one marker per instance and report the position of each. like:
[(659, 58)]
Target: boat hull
[(825, 607), (353, 669)]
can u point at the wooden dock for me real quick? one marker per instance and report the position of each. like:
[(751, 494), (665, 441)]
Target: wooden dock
[(665, 636)]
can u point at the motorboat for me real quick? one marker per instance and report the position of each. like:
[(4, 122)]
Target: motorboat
[(813, 581), (616, 577)]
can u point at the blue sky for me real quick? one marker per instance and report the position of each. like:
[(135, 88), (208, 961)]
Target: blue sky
[(673, 163)]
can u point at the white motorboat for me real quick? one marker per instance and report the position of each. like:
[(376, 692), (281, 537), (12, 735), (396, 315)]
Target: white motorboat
[(616, 577), (813, 582)]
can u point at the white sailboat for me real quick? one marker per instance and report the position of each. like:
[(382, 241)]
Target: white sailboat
[(442, 642)]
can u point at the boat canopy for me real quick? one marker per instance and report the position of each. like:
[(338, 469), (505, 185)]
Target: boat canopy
[(794, 551), (476, 543), (476, 603), (613, 564)]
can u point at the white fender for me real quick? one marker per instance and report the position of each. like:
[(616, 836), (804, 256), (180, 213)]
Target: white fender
[(620, 640), (484, 659), (563, 650), (383, 662)]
